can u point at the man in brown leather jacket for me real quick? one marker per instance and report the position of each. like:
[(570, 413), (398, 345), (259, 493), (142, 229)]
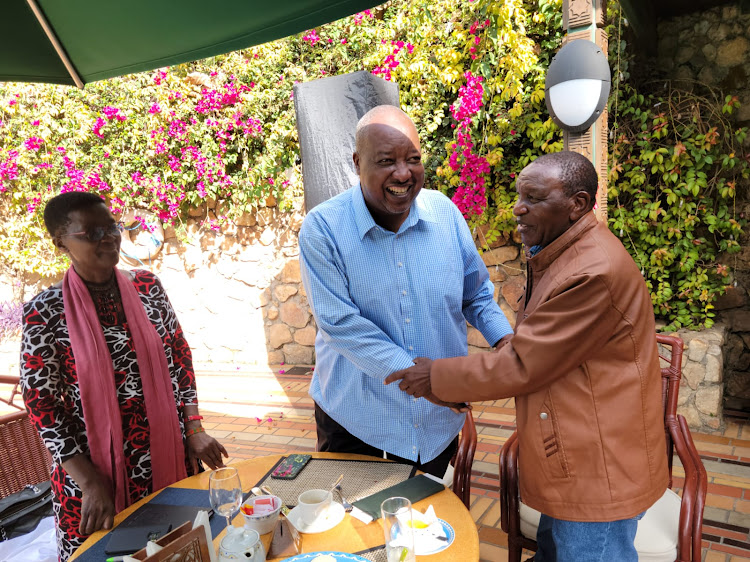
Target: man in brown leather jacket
[(584, 369)]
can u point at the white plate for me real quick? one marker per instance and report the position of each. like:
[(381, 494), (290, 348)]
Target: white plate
[(333, 517), (447, 531)]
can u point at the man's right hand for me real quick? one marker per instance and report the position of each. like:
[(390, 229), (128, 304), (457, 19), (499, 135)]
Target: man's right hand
[(458, 407)]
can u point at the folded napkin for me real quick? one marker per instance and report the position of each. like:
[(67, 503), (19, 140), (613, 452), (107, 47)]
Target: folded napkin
[(414, 489), (429, 535)]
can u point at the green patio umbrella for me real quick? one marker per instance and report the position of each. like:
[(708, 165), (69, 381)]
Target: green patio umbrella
[(81, 41)]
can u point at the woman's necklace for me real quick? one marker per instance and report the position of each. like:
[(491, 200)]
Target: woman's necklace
[(107, 301)]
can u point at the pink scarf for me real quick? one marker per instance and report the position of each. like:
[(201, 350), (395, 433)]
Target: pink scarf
[(96, 380)]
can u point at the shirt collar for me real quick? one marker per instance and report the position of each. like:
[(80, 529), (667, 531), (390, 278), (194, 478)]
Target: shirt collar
[(420, 211)]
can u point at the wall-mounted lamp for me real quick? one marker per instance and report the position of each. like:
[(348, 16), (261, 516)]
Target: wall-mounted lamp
[(577, 85)]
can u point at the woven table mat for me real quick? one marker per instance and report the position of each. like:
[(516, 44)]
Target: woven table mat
[(377, 554), (361, 478)]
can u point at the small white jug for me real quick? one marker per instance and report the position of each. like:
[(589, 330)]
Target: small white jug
[(241, 544)]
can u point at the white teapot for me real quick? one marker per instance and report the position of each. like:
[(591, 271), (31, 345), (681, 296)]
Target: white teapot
[(241, 544)]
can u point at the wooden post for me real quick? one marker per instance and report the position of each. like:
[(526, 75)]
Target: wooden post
[(584, 19)]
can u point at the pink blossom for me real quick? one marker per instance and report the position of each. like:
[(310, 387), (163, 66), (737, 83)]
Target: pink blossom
[(97, 128), (159, 76), (33, 143), (312, 37), (154, 109), (361, 16), (343, 41), (113, 113), (35, 122)]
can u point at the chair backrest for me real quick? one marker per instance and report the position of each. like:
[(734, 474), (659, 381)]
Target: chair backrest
[(467, 446), (23, 457), (670, 353)]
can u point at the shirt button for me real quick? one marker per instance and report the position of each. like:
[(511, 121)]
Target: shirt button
[(403, 293), (411, 348), (414, 398), (408, 320), (543, 415), (400, 264), (416, 425)]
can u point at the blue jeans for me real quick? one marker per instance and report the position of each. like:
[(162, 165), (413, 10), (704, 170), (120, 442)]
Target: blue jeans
[(570, 541)]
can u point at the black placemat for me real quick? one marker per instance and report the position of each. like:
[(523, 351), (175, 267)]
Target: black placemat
[(361, 478)]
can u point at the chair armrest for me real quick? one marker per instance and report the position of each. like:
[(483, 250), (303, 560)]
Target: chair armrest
[(14, 380), (509, 515), (693, 492)]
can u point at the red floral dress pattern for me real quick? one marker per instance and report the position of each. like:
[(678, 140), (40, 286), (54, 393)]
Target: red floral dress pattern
[(52, 396)]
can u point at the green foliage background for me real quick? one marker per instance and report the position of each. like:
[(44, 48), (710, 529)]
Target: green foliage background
[(223, 130)]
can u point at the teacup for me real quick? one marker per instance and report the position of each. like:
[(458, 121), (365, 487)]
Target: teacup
[(313, 504)]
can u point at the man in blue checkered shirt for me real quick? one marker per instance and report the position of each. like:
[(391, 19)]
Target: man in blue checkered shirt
[(392, 273)]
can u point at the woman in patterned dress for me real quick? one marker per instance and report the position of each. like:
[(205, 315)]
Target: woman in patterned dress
[(107, 377)]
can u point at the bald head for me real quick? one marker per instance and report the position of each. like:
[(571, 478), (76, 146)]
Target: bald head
[(574, 171), (382, 114)]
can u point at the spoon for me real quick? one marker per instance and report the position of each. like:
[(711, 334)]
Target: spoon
[(347, 506), (338, 481)]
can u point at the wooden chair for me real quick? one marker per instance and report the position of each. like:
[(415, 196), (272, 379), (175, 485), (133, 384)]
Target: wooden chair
[(14, 381), (672, 528), (23, 457), (463, 459)]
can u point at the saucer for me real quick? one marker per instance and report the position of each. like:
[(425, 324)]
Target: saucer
[(436, 545), (333, 517), (338, 556)]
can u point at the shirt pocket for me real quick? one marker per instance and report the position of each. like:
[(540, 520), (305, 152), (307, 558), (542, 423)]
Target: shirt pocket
[(552, 451)]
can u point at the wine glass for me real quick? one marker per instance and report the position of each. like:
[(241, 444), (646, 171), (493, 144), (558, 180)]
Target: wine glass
[(225, 491)]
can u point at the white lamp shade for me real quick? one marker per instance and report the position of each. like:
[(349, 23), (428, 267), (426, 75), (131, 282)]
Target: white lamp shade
[(575, 101)]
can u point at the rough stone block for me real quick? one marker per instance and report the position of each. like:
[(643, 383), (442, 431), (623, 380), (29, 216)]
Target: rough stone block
[(693, 374), (514, 268), (275, 357), (268, 237), (697, 350), (283, 292), (714, 368), (264, 297), (692, 416), (683, 396), (306, 336), (497, 274), (708, 400), (246, 219), (500, 255), (291, 272), (509, 313), (512, 291), (272, 313), (732, 52), (278, 335), (294, 314), (295, 354)]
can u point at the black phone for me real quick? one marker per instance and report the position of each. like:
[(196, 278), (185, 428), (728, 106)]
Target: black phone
[(290, 467)]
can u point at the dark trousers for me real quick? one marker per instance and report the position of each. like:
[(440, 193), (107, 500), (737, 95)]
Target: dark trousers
[(334, 438)]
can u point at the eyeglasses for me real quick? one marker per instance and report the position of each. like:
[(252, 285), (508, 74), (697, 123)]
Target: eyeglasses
[(99, 232)]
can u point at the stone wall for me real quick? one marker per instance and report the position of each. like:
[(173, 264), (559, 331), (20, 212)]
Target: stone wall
[(701, 387), (712, 47), (240, 300)]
